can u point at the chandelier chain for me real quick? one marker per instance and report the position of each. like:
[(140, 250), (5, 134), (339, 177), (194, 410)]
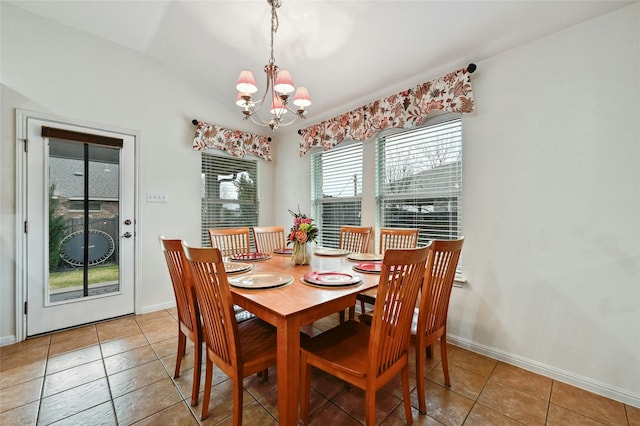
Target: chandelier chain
[(274, 28)]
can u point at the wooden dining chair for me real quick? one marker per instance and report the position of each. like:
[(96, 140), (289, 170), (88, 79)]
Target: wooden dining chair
[(238, 349), (368, 357), (355, 239), (188, 314), (390, 238), (268, 238), (430, 318), (230, 241)]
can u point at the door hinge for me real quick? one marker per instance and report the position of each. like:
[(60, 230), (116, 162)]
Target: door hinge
[(25, 227), (26, 304)]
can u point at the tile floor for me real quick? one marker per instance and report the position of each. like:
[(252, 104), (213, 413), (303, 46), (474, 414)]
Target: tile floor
[(120, 372)]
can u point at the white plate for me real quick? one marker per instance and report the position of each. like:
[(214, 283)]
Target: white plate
[(233, 267), (260, 280), (324, 251), (365, 256)]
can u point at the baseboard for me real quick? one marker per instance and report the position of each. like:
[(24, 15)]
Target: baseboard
[(7, 340), (573, 379), (158, 307)]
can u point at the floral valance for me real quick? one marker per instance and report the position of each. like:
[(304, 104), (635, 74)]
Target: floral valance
[(235, 142), (409, 108)]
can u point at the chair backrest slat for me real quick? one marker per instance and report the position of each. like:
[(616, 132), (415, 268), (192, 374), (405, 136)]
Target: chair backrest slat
[(400, 281), (230, 241), (398, 238), (355, 239), (268, 238)]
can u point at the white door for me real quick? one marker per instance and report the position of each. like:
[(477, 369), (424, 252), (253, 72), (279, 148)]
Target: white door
[(79, 225)]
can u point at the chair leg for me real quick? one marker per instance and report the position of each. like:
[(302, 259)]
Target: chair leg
[(207, 389), (197, 371), (182, 346), (352, 313), (370, 406), (237, 401), (362, 307), (305, 387), (420, 388), (443, 356), (341, 316), (406, 396)]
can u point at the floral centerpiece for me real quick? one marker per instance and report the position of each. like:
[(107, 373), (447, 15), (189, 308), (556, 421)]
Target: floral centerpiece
[(302, 233)]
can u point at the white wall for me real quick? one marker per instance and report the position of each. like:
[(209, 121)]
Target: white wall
[(551, 206), (50, 68), (551, 181)]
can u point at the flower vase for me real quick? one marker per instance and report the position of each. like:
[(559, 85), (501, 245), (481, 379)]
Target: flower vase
[(301, 254)]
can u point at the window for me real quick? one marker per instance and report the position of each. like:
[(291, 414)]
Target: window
[(229, 193), (419, 180), (336, 181)]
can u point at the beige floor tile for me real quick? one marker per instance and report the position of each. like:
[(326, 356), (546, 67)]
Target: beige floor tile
[(325, 384), (100, 415), (76, 376), (70, 340), (523, 380), (23, 358), (447, 407), (146, 401), (471, 361), (117, 329), (516, 404), (23, 373), (135, 378), (633, 415), (463, 381), (25, 345), (24, 415), (589, 404), (161, 333), (176, 415), (73, 359), (559, 416), (329, 414), (316, 401), (252, 414), (220, 403), (73, 401), (352, 401), (398, 418), (118, 346), (483, 416), (169, 346), (20, 394), (129, 359)]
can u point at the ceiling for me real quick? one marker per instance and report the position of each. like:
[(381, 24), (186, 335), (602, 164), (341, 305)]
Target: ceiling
[(343, 51)]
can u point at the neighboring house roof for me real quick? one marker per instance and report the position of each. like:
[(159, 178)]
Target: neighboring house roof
[(68, 176), (442, 179)]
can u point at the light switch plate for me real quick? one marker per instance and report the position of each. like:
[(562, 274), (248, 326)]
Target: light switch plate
[(157, 197)]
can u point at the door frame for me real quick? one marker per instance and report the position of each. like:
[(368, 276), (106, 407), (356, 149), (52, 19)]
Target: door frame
[(22, 117)]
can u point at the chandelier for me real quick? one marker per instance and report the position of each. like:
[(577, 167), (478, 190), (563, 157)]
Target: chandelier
[(279, 87)]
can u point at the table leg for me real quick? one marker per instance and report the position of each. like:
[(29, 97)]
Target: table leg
[(288, 370)]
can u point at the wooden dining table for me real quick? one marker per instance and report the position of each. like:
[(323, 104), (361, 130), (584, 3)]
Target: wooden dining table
[(294, 305)]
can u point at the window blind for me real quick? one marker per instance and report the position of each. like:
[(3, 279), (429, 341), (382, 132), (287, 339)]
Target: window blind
[(228, 193), (419, 180), (336, 181)]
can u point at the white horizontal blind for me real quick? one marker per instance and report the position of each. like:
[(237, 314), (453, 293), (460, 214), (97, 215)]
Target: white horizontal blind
[(336, 181), (229, 193), (419, 180)]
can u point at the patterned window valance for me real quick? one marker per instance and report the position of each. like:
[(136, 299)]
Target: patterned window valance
[(409, 108), (235, 142)]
